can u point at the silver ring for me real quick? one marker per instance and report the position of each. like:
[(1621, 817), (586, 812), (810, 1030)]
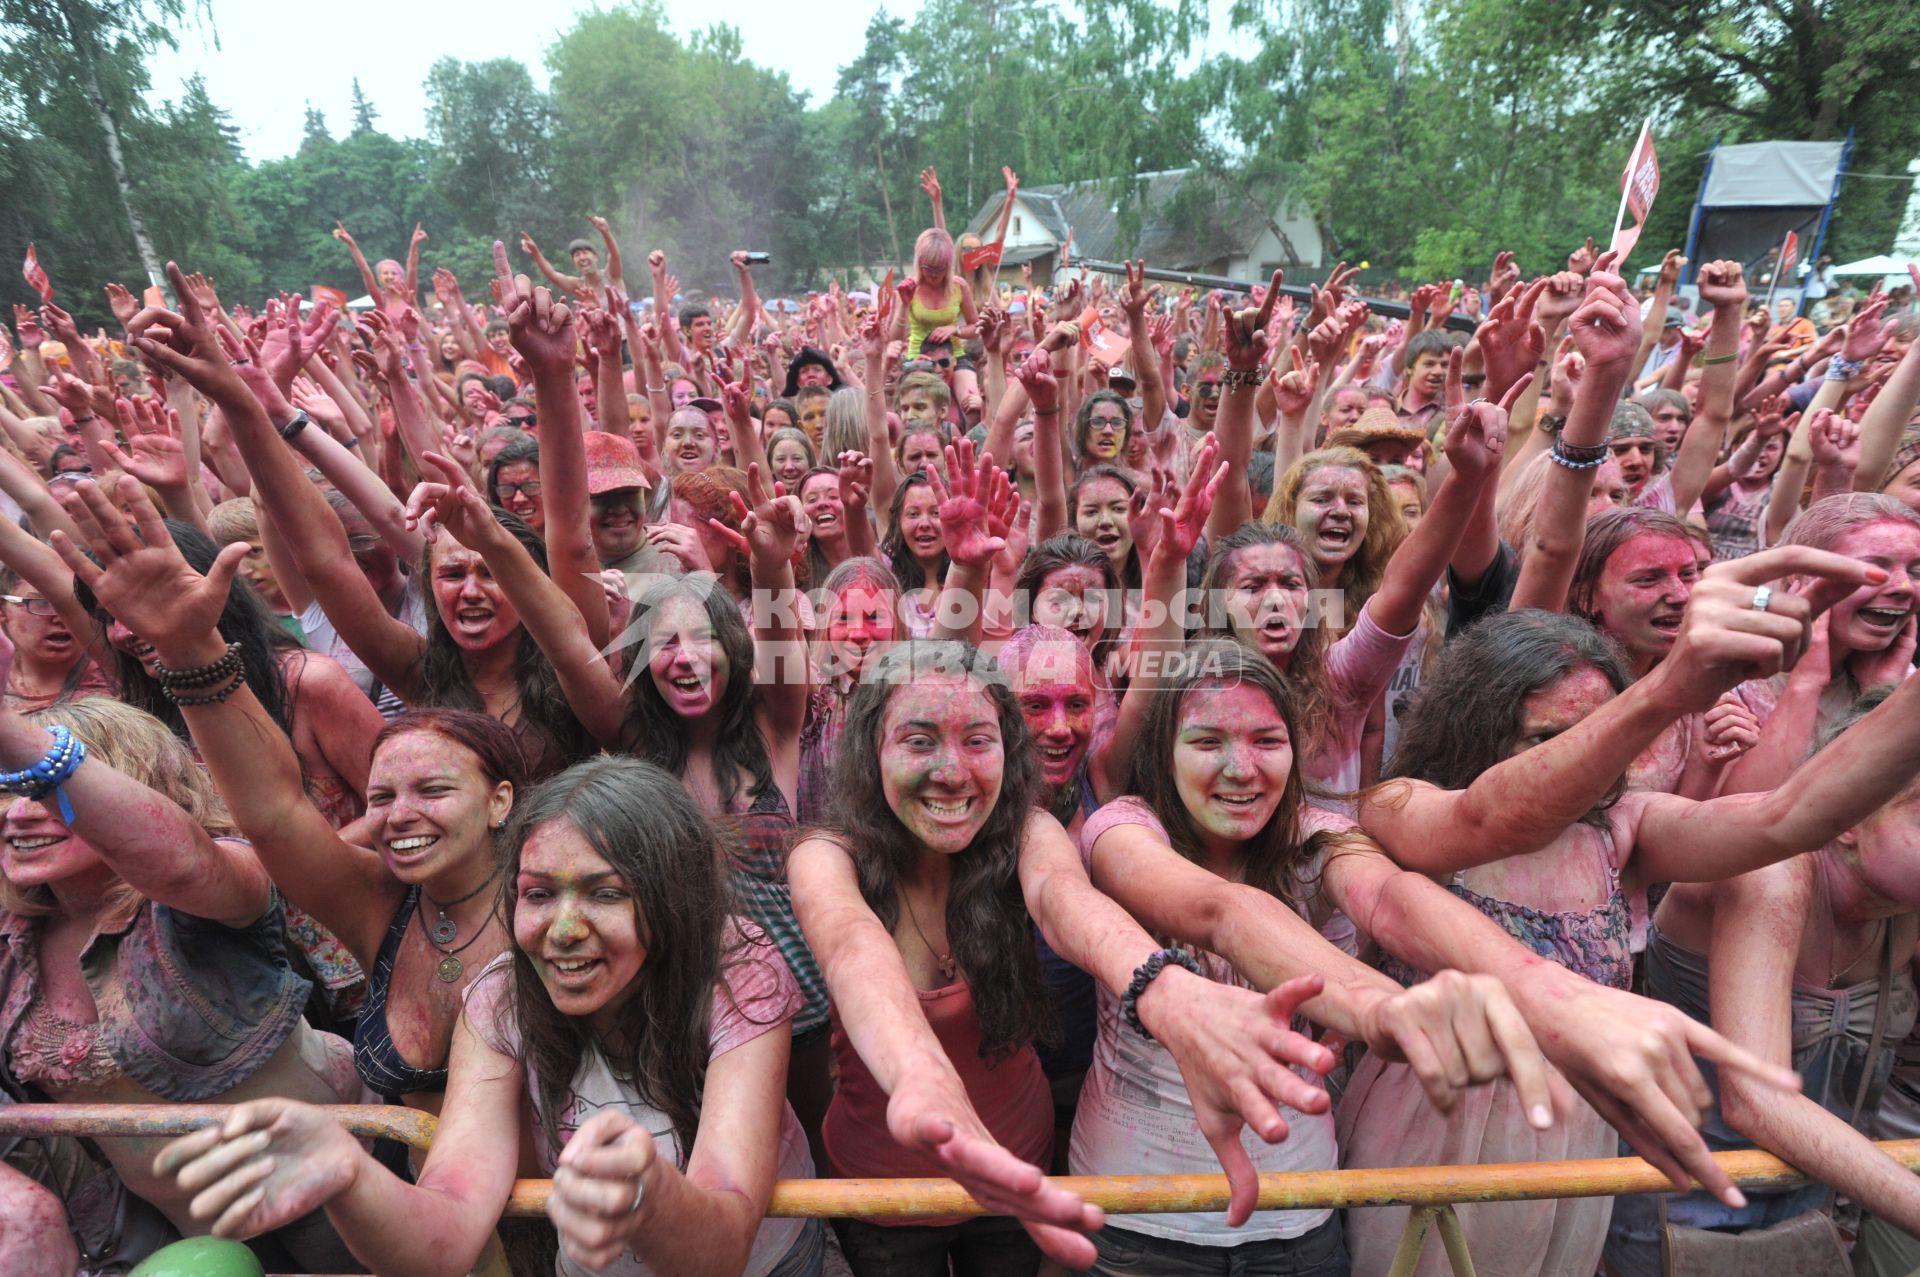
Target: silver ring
[(639, 1194), (1763, 598)]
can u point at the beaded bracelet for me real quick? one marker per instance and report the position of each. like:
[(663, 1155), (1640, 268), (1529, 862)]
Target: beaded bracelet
[(51, 773), (212, 698), (1839, 369), (1243, 376), (1143, 975), (1576, 456), (201, 675)]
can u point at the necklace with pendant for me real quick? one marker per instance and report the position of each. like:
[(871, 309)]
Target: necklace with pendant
[(444, 930), (944, 961), (449, 968)]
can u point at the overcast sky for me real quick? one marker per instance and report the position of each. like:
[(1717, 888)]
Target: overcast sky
[(271, 62)]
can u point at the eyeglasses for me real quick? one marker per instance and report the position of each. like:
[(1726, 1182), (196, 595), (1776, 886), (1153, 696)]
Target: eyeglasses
[(1207, 390), (529, 489), (1106, 423), (35, 607), (525, 423)]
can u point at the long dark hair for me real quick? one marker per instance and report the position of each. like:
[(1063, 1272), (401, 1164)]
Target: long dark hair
[(657, 734), (893, 548), (524, 450), (245, 620), (1273, 859), (553, 735), (1069, 550), (987, 921), (643, 823), (1130, 574), (1083, 422), (1311, 697), (1472, 706)]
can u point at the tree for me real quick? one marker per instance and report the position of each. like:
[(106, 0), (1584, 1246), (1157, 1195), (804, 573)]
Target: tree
[(363, 113), (97, 47)]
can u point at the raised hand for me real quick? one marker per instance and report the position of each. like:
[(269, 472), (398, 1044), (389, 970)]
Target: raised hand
[(136, 571), (28, 327), (61, 325), (1476, 437), (450, 501), (1504, 275), (602, 331), (1835, 441), (1011, 178), (291, 342), (1136, 294), (930, 183), (541, 328), (965, 504), (266, 1164), (1036, 376), (1670, 268), (1509, 342), (122, 303), (419, 236), (1582, 259), (1723, 285), (1246, 330), (1606, 327), (856, 481), (772, 530), (152, 429), (1181, 525), (1293, 389), (340, 233), (1327, 341), (1867, 336)]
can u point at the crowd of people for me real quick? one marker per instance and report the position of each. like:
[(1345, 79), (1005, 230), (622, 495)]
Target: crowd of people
[(959, 728)]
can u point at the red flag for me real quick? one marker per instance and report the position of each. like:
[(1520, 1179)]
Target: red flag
[(1789, 254), (36, 277), (322, 293), (1639, 183), (985, 255)]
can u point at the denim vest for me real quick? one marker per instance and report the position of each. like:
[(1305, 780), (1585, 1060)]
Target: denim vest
[(189, 1008)]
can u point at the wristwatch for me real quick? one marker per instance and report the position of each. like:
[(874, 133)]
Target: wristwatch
[(1552, 425), (299, 422)]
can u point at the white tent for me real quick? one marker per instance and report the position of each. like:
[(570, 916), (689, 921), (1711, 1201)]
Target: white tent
[(362, 303), (1881, 265)]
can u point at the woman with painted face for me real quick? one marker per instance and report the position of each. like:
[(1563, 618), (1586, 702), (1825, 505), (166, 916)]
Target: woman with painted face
[(692, 705), (835, 502), (914, 549), (919, 896), (644, 1030), (861, 621), (418, 913), (513, 482), (1866, 640), (789, 454), (1264, 584), (1101, 506), (1736, 494), (50, 664), (1797, 962), (1069, 582), (1103, 429), (146, 962), (1507, 782)]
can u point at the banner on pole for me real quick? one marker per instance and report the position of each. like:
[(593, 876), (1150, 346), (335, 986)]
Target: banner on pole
[(1639, 183), (37, 277), (1789, 254), (985, 255)]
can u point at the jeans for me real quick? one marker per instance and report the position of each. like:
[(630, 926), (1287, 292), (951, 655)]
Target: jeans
[(985, 1247), (1320, 1253), (806, 1257)]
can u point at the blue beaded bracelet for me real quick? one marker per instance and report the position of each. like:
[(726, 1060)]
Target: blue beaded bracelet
[(51, 773)]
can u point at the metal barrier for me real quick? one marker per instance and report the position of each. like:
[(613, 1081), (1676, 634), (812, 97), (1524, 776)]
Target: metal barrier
[(1430, 1190)]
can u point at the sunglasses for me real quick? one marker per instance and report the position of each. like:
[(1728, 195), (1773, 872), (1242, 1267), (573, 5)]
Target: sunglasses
[(525, 423), (1207, 390), (529, 489)]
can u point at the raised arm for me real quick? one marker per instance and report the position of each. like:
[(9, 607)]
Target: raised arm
[(616, 269), (1606, 329), (1522, 804), (1246, 346), (152, 590), (873, 350), (246, 396), (367, 278), (543, 332), (1887, 416), (1721, 287), (1049, 466), (770, 531), (568, 284), (930, 183), (1135, 300), (1476, 433), (664, 287)]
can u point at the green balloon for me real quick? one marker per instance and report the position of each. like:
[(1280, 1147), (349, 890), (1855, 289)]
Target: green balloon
[(201, 1257)]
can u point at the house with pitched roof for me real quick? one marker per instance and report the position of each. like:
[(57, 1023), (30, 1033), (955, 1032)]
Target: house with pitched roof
[(1180, 219)]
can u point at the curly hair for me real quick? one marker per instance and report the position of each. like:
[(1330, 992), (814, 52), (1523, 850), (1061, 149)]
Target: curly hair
[(1083, 421), (141, 748), (1386, 529), (644, 824), (987, 921)]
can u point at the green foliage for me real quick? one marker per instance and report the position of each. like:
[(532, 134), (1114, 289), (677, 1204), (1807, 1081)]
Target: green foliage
[(1424, 135)]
